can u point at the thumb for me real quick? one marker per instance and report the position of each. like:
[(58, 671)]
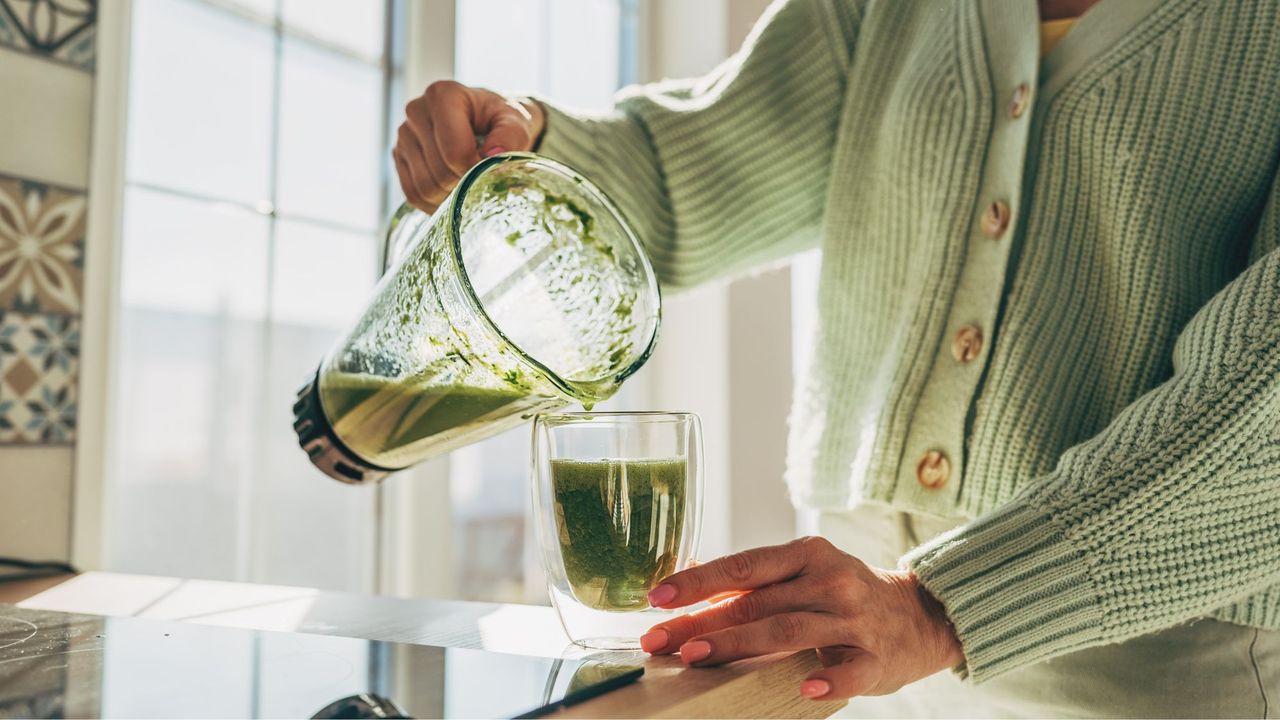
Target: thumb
[(858, 674), (505, 124)]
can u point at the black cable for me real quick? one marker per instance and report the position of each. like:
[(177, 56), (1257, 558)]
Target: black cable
[(31, 569)]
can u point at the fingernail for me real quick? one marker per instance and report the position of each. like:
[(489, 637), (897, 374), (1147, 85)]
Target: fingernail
[(814, 688), (494, 151), (695, 651), (654, 640), (663, 594)]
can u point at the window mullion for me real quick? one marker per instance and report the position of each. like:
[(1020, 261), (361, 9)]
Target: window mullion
[(246, 567), (376, 579)]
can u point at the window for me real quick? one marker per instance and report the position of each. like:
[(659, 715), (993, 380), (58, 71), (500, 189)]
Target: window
[(256, 179), (255, 183), (576, 52)]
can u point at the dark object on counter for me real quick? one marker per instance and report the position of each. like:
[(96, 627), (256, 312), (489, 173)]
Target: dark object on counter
[(31, 569), (358, 707)]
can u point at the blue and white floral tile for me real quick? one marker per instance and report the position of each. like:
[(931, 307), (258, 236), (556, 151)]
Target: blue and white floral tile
[(42, 230), (39, 367), (61, 30)]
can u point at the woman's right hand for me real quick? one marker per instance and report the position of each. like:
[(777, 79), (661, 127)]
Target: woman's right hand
[(438, 141)]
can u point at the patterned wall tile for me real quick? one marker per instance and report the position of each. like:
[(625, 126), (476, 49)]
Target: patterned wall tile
[(41, 247), (59, 29), (39, 367)]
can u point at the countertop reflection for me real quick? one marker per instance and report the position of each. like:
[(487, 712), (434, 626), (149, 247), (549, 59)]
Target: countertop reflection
[(519, 629), (55, 664), (759, 687)]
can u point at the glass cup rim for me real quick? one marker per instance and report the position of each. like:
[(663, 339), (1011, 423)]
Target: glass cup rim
[(574, 389), (604, 417)]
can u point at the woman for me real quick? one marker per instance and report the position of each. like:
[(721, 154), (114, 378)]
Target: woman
[(1047, 369)]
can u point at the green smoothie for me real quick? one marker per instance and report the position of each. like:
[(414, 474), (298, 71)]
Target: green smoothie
[(384, 420), (619, 524)]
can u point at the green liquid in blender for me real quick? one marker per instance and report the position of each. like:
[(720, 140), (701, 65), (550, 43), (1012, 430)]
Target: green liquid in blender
[(619, 524), (383, 419)]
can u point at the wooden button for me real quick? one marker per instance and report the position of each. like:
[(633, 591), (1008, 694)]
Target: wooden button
[(967, 344), (933, 470), (995, 219), (1020, 101)]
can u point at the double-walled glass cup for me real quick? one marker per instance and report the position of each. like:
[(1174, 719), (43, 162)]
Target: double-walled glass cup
[(618, 503)]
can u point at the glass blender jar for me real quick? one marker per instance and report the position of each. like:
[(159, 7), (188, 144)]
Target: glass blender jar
[(525, 292)]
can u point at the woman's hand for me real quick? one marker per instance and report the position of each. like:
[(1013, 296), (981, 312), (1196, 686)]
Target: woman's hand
[(437, 142), (876, 630)]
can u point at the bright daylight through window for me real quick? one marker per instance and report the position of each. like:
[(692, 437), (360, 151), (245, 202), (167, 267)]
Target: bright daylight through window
[(237, 278)]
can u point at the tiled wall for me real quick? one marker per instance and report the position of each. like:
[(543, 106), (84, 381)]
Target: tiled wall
[(46, 100)]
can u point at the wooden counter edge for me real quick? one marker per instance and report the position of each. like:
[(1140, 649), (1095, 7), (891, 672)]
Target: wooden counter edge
[(15, 591), (765, 687)]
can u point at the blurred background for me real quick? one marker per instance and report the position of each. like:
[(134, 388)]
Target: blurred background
[(192, 205)]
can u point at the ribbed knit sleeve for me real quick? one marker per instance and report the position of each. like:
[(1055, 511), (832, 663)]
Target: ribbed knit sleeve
[(1172, 511), (725, 173)]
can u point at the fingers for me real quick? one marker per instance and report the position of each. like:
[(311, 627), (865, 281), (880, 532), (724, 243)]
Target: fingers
[(420, 189), (443, 177), (667, 637), (506, 125), (436, 145), (407, 183), (776, 633), (454, 141), (741, 571), (859, 674), (422, 152)]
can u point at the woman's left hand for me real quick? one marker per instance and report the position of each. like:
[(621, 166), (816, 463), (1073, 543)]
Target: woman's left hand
[(876, 630)]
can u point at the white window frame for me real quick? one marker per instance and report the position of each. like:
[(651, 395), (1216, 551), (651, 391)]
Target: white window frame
[(99, 325)]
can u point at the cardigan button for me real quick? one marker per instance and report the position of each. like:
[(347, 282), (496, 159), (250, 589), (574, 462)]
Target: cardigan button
[(995, 219), (967, 344), (1020, 101), (933, 470)]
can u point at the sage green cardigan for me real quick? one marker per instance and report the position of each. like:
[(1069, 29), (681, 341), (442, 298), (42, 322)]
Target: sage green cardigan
[(1114, 432)]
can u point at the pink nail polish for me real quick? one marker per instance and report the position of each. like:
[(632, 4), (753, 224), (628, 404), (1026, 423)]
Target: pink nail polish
[(654, 640), (695, 651), (494, 151), (662, 594), (814, 688)]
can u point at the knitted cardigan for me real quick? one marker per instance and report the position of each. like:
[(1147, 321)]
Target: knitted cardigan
[(1106, 219)]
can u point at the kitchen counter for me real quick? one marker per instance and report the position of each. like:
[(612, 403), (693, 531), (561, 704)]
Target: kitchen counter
[(761, 687)]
